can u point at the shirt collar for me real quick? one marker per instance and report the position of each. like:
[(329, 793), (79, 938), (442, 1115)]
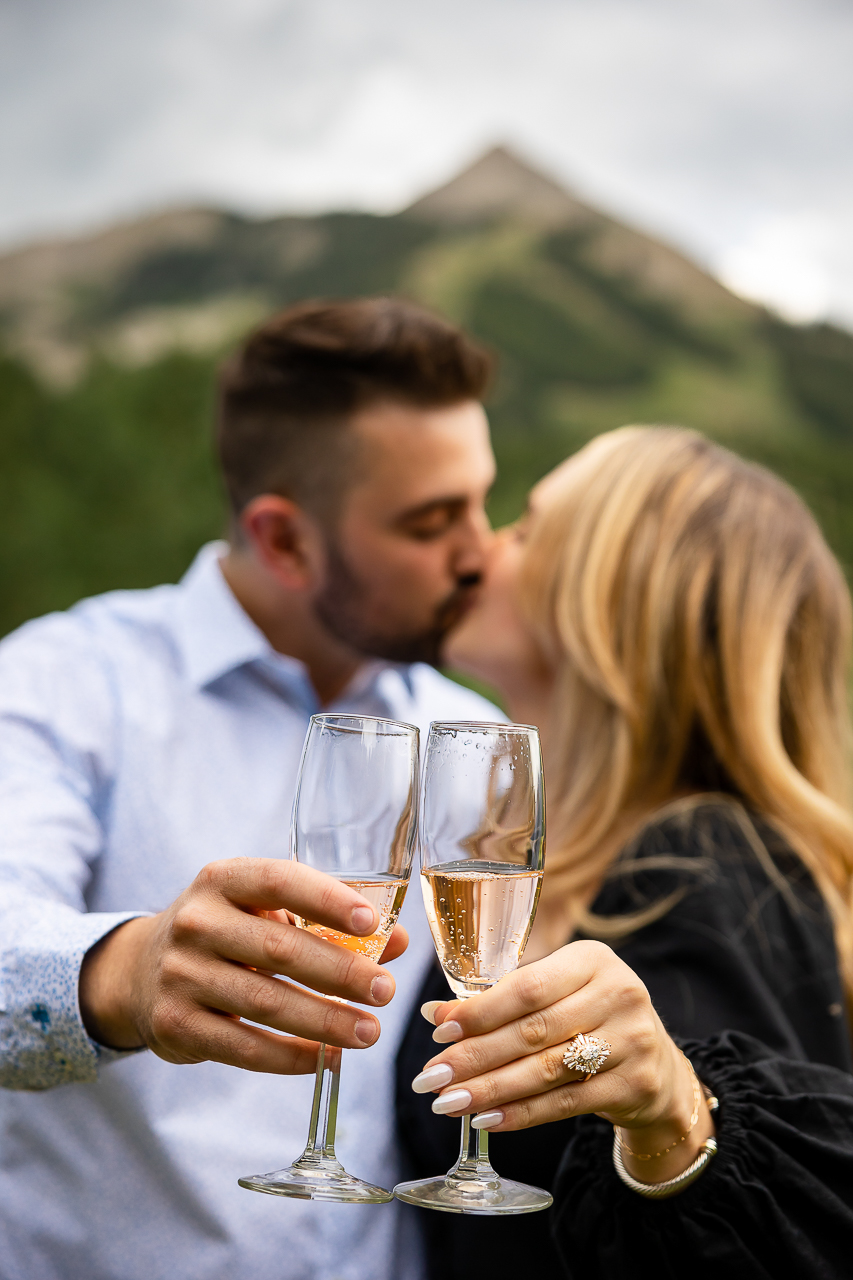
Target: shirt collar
[(217, 636), (215, 633)]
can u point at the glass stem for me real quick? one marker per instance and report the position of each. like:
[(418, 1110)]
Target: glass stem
[(473, 1164), (324, 1114)]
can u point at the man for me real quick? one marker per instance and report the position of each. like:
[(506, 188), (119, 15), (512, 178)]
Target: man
[(149, 742)]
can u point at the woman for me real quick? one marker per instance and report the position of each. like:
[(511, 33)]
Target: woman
[(673, 621)]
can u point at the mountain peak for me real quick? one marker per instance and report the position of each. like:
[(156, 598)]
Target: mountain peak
[(500, 184)]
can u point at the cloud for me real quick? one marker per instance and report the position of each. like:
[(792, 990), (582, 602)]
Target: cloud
[(801, 264), (705, 121)]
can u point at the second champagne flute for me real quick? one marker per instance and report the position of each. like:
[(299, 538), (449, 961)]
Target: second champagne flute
[(355, 818), (482, 857)]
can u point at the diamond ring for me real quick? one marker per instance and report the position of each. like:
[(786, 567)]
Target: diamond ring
[(586, 1053)]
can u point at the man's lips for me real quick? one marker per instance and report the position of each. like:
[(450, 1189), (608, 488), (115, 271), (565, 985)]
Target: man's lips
[(454, 610)]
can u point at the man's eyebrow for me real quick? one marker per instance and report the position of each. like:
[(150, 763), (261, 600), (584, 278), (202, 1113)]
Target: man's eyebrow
[(434, 504)]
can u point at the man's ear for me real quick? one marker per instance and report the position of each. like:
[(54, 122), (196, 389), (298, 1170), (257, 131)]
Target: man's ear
[(285, 538)]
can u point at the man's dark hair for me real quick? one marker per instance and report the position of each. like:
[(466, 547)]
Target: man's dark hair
[(287, 395)]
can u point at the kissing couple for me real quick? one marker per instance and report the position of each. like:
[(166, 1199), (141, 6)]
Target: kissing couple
[(671, 619)]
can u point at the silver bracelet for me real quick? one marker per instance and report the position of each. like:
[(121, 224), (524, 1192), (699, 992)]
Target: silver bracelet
[(661, 1190)]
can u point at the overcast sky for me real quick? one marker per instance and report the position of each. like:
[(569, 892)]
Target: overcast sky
[(724, 125)]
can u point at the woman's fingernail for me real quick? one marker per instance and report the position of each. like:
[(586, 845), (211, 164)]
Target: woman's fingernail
[(366, 1030), (487, 1119), (456, 1100), (448, 1033), (382, 988), (433, 1078), (362, 919), (428, 1010)]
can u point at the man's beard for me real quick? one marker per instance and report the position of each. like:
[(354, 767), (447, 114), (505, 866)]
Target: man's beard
[(341, 608)]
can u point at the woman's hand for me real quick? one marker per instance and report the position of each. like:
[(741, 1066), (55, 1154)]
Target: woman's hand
[(505, 1062)]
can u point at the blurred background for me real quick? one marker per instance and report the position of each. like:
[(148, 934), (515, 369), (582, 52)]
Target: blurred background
[(644, 206)]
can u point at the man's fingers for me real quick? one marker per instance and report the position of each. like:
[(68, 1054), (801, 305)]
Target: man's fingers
[(217, 1038), (285, 1007), (274, 947), (396, 944), (280, 883)]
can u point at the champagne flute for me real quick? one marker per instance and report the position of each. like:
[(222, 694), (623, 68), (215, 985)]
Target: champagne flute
[(482, 854), (355, 818)]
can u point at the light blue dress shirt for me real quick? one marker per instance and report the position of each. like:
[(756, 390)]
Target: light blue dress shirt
[(142, 735)]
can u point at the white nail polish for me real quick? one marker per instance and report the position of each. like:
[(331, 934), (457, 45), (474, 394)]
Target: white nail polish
[(456, 1100), (448, 1033), (428, 1010), (487, 1119), (433, 1078)]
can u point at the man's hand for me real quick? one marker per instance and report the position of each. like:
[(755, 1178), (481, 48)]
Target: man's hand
[(180, 982)]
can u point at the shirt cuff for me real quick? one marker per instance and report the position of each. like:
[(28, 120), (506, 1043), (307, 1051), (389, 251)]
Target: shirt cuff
[(43, 1042)]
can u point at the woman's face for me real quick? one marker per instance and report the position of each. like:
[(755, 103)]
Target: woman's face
[(493, 641)]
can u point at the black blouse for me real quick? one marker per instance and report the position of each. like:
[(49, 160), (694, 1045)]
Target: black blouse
[(743, 972)]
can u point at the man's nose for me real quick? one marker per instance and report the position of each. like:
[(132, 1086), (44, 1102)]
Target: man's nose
[(475, 539)]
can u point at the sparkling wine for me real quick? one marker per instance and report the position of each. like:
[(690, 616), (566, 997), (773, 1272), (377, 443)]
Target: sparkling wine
[(386, 894), (480, 916)]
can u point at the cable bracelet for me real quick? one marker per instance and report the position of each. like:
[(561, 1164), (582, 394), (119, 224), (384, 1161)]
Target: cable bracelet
[(672, 1187)]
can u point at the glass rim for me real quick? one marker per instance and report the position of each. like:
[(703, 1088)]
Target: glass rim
[(483, 725), (330, 717)]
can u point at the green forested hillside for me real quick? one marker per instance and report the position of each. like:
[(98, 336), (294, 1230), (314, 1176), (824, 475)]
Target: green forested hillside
[(109, 484), (108, 353)]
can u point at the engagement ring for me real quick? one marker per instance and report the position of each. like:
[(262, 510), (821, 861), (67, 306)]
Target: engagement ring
[(586, 1053)]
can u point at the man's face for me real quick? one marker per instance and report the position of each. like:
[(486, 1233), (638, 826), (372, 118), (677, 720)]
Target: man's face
[(406, 552)]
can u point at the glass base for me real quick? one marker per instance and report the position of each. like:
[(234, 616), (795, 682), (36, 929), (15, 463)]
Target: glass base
[(317, 1180), (455, 1195)]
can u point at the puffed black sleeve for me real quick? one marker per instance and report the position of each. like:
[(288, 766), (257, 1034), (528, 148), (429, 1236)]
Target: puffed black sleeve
[(743, 971), (776, 1201)]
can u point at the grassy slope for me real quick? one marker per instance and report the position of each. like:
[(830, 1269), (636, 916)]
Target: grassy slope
[(112, 483)]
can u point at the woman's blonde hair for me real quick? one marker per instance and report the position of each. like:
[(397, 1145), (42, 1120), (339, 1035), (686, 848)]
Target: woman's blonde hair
[(699, 628)]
